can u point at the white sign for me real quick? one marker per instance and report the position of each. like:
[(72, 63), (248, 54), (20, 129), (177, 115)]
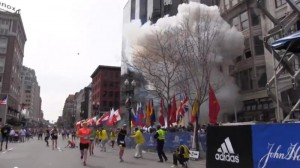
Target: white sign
[(194, 154), (9, 8)]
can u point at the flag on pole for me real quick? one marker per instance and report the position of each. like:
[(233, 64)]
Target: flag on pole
[(161, 117), (148, 117), (181, 109), (103, 118), (152, 113), (141, 116), (133, 118), (3, 101), (195, 109), (111, 117), (172, 117), (214, 106)]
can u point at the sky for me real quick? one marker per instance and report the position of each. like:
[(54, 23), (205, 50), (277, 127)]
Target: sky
[(66, 41)]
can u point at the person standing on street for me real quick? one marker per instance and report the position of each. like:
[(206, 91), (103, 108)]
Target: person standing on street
[(47, 136), (139, 140), (84, 135), (5, 135), (104, 139), (54, 136), (112, 138), (121, 141), (160, 139)]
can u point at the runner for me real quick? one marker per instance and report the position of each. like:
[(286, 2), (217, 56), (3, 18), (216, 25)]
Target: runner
[(121, 141), (84, 135), (92, 139), (54, 136), (47, 136)]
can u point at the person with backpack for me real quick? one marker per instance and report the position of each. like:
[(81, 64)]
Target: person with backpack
[(181, 155)]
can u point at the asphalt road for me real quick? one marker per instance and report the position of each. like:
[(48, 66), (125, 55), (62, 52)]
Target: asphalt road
[(35, 154)]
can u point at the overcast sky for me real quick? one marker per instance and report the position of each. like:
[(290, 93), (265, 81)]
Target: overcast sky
[(66, 41)]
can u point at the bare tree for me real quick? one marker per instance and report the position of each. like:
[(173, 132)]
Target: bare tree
[(154, 58), (198, 41)]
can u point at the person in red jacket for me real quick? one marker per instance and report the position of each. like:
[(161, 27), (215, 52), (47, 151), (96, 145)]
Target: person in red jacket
[(84, 135)]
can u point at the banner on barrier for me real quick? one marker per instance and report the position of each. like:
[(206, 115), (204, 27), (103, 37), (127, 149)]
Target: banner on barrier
[(276, 145), (229, 146), (172, 141)]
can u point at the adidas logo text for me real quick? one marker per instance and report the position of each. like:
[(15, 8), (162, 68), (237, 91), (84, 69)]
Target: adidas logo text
[(226, 153)]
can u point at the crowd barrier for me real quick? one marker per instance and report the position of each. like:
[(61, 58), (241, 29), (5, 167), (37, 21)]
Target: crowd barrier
[(172, 141), (254, 146)]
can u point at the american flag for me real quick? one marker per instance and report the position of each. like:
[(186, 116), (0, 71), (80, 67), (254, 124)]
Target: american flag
[(3, 101)]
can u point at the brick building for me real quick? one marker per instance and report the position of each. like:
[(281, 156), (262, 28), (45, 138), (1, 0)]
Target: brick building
[(12, 41), (105, 89)]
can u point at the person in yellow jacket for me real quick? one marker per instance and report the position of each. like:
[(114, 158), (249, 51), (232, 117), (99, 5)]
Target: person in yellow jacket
[(139, 140), (104, 139), (98, 136), (181, 155), (112, 138)]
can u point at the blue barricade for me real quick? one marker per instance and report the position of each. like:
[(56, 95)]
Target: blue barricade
[(172, 141)]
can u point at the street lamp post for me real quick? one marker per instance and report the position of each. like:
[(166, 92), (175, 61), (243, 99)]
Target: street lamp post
[(130, 98)]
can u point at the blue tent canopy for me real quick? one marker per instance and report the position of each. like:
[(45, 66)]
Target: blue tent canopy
[(284, 43)]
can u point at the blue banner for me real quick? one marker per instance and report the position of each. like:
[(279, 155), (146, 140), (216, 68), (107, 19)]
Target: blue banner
[(172, 141), (276, 145)]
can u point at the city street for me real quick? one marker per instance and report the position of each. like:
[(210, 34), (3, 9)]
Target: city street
[(35, 154)]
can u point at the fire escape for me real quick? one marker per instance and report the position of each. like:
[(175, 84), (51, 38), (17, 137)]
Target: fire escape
[(285, 59)]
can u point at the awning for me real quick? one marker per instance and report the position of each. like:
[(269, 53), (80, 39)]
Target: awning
[(291, 42)]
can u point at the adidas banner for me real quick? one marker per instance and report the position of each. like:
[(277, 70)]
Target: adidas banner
[(276, 145), (229, 146)]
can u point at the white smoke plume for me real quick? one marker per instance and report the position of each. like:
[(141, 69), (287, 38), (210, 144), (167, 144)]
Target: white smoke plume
[(228, 44)]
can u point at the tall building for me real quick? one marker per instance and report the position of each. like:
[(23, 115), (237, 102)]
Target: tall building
[(30, 94), (105, 89), (69, 112), (252, 70), (12, 42)]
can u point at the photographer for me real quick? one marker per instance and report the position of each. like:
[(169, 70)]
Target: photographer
[(181, 155)]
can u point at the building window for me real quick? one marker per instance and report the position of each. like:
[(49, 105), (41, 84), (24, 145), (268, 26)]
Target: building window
[(3, 45), (111, 94), (111, 84), (238, 59), (234, 2), (244, 20), (258, 45), (279, 3), (132, 12), (143, 12), (226, 4), (244, 79), (261, 76), (104, 84), (116, 103), (116, 94), (2, 64), (110, 104), (255, 17), (236, 22), (104, 103), (248, 54)]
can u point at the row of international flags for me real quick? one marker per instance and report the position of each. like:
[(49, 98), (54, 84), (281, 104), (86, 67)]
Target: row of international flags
[(145, 116)]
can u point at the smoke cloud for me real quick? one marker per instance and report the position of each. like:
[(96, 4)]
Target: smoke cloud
[(226, 45)]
